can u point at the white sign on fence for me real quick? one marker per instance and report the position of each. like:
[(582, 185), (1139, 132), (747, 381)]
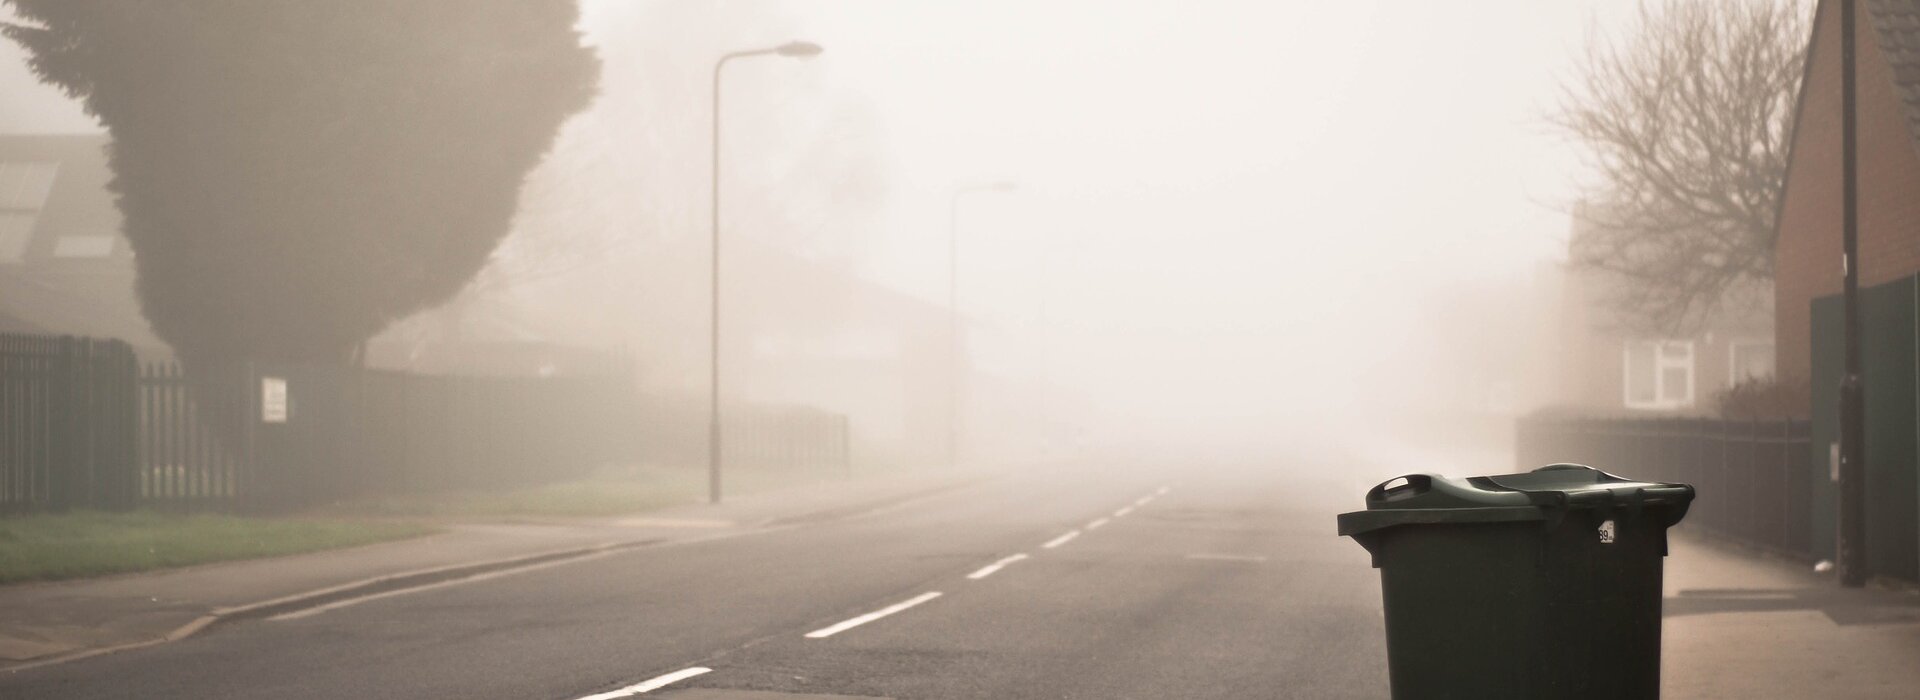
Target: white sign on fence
[(1833, 461), (273, 400)]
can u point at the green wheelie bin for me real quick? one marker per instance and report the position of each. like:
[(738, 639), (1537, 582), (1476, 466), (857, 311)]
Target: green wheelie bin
[(1542, 585)]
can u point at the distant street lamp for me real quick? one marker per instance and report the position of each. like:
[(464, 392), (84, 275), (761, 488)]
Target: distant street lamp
[(953, 312), (792, 49)]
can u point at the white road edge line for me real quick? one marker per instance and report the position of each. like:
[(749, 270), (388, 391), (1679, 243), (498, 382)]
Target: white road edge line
[(1063, 539), (1143, 500), (988, 570), (825, 632), (1162, 492), (1123, 512), (349, 602), (1097, 522), (650, 684)]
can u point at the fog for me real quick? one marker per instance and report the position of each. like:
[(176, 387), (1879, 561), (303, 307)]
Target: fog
[(1233, 224), (1233, 221), (599, 349)]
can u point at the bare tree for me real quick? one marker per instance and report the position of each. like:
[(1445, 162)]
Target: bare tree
[(1686, 119)]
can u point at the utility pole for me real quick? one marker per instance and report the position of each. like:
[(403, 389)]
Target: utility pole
[(1851, 544)]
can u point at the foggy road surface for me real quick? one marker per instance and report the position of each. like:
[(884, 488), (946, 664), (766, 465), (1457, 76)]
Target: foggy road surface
[(1065, 583)]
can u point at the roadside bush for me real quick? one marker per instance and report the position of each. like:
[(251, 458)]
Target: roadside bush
[(1765, 399)]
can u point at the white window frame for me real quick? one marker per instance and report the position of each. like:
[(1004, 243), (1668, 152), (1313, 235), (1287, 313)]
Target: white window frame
[(1661, 363)]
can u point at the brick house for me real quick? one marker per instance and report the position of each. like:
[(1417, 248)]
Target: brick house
[(1807, 254), (1606, 365), (1809, 276)]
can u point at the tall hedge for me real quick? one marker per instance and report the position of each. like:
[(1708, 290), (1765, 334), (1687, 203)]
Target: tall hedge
[(297, 174)]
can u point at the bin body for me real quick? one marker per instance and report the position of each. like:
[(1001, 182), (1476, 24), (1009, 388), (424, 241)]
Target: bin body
[(1531, 595)]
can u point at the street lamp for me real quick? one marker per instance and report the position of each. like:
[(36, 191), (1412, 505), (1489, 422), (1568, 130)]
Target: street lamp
[(953, 311), (792, 49)]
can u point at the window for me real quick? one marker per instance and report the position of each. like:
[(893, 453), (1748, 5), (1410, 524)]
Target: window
[(1748, 360), (1658, 374)]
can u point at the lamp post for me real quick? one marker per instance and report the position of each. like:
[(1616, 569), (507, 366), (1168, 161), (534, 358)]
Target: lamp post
[(953, 312), (792, 49)]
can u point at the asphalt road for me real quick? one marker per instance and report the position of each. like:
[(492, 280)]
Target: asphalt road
[(1227, 584)]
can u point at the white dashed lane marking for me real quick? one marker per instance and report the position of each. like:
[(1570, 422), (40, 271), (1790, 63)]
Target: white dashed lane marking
[(1063, 539), (825, 632), (650, 684), (978, 574), (988, 570)]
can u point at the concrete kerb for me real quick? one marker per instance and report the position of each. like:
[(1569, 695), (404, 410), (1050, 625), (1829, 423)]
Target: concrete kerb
[(405, 580), (364, 587), (871, 507)]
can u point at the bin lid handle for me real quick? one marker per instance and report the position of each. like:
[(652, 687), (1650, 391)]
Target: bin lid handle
[(1400, 488)]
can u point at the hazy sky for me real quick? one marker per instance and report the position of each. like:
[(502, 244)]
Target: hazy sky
[(1242, 206)]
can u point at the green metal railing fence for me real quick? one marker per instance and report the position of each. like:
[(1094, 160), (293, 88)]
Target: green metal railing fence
[(84, 425), (67, 422), (1753, 478)]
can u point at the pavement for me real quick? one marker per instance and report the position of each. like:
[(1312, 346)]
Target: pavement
[(1103, 580), (1744, 625)]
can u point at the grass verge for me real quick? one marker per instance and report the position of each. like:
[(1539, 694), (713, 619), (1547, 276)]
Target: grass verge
[(44, 547)]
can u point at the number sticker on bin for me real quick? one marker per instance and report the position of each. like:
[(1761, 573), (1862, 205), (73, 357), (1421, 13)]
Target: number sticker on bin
[(1606, 532)]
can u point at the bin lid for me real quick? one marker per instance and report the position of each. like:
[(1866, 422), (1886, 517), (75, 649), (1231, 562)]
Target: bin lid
[(1417, 499)]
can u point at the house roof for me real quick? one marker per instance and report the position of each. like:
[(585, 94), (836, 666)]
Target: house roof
[(77, 204), (57, 287), (1896, 25)]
